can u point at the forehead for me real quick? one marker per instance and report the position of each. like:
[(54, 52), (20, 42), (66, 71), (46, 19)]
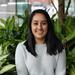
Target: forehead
[(39, 16)]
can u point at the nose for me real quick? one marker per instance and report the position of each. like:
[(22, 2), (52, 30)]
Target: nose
[(39, 26)]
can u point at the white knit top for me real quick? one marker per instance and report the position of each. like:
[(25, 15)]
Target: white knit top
[(43, 64)]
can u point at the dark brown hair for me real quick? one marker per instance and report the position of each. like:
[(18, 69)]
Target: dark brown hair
[(53, 43)]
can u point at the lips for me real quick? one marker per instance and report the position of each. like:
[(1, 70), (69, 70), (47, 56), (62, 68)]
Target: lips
[(39, 32)]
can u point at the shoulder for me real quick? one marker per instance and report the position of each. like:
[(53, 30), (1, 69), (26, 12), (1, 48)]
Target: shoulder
[(21, 48), (63, 52), (61, 55), (20, 45)]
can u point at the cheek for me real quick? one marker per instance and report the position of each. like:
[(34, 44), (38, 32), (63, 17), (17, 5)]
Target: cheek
[(45, 29), (33, 28)]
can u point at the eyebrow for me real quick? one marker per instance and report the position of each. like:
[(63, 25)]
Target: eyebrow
[(37, 20)]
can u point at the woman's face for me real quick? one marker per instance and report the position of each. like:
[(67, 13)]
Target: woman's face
[(39, 26)]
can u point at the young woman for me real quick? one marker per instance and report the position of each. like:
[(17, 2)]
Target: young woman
[(42, 53)]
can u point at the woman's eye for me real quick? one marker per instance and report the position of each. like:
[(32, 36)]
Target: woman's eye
[(44, 23), (35, 23)]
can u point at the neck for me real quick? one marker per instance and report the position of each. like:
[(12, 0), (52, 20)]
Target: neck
[(40, 41)]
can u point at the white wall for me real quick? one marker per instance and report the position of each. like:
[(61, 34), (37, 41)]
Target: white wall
[(7, 9)]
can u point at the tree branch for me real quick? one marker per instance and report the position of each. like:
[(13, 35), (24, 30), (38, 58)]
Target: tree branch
[(67, 7), (54, 6)]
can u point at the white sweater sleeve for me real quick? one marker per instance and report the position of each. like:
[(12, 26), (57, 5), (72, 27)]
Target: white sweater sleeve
[(61, 64), (19, 61)]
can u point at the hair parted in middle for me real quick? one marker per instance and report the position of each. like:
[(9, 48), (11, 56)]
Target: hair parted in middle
[(53, 44)]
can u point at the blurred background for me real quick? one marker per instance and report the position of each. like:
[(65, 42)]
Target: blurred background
[(13, 7), (14, 15)]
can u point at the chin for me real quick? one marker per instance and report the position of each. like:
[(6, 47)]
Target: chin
[(40, 37)]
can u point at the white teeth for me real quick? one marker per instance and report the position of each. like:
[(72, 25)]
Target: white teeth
[(39, 31)]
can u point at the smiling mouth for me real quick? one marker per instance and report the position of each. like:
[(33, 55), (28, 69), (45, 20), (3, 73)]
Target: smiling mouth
[(40, 33)]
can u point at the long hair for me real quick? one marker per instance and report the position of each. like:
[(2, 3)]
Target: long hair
[(54, 45)]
